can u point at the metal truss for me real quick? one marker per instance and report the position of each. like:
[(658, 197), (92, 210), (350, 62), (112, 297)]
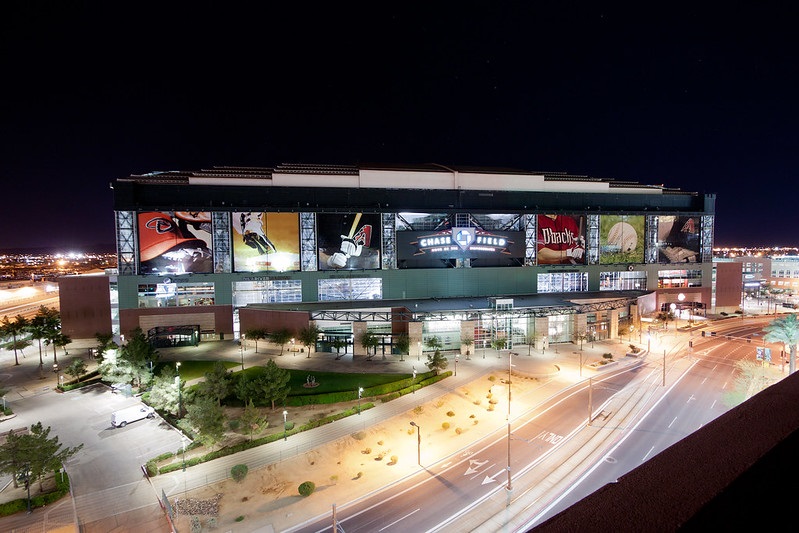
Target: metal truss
[(126, 243), (530, 239), (389, 255), (651, 232), (592, 221), (220, 224), (308, 258), (355, 315), (707, 238)]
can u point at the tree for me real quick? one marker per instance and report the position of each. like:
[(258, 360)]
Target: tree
[(403, 343), (338, 343), (76, 369), (434, 343), (499, 344), (133, 361), (581, 336), (276, 387), (39, 327), (34, 452), (105, 342), (218, 383), (14, 329), (369, 341), (281, 337), (207, 418), (436, 361), (256, 334), (56, 339), (308, 336), (468, 341), (166, 391), (785, 330), (252, 419)]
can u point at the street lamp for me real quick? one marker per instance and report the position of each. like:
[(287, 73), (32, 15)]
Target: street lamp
[(241, 350), (413, 383), (418, 349), (509, 487), (177, 384), (360, 391), (456, 365), (418, 442), (285, 425), (673, 308)]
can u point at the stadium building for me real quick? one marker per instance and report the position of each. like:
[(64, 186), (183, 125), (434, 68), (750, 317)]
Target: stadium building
[(477, 257)]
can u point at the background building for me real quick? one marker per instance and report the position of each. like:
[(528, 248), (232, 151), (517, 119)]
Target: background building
[(427, 250)]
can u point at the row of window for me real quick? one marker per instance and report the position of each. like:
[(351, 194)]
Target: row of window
[(184, 294)]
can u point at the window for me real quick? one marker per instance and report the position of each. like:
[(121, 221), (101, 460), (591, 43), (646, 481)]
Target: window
[(563, 282), (176, 294), (622, 280), (668, 279), (266, 292), (350, 289)]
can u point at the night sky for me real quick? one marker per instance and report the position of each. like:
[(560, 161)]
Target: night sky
[(698, 99)]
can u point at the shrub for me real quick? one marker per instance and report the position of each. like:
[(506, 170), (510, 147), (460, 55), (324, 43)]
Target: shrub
[(394, 460), (238, 472), (152, 468), (492, 378), (439, 404), (418, 409), (333, 479), (475, 421), (306, 488), (458, 431), (607, 355), (634, 348), (196, 527), (290, 426), (380, 443), (491, 407), (234, 424), (240, 518), (359, 475), (410, 431), (472, 415), (450, 413), (477, 402), (360, 435), (366, 451), (445, 426)]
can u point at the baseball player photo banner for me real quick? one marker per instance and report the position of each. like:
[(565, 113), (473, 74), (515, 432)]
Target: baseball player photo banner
[(265, 242), (678, 239), (621, 239), (176, 242), (561, 240), (349, 241)]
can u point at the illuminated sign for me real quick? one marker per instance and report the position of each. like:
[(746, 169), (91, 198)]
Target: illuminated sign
[(458, 241)]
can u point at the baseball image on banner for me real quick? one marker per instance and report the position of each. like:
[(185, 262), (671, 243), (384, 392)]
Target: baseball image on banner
[(264, 242), (175, 242), (348, 241), (621, 239), (561, 240), (678, 239)]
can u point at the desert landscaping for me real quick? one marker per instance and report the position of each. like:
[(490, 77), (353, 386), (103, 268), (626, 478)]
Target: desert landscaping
[(346, 469)]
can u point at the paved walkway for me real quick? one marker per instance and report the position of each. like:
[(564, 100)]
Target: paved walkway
[(26, 379)]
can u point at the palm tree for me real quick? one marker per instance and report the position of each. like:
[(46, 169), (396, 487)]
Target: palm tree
[(38, 331), (14, 329), (785, 330)]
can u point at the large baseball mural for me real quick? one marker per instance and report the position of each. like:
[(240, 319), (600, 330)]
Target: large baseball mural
[(264, 242), (176, 242), (621, 239)]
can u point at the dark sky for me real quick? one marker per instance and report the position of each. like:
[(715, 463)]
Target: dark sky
[(694, 98)]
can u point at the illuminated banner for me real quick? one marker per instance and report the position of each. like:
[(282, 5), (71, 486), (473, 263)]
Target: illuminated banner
[(678, 239), (560, 240), (349, 241), (264, 242), (175, 242), (420, 249), (621, 239)]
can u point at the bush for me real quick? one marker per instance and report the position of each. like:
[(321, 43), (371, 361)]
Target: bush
[(445, 426), (152, 468), (306, 488), (394, 460), (458, 431), (234, 424), (418, 409), (240, 518), (360, 435), (634, 348), (450, 413), (239, 472), (607, 355)]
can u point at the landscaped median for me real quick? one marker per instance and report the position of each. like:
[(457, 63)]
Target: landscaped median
[(170, 462)]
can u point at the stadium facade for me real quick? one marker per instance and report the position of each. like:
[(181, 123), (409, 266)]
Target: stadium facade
[(428, 250)]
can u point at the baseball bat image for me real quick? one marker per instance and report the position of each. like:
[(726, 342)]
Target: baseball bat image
[(354, 225)]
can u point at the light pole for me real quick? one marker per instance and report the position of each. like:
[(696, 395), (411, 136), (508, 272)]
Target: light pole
[(590, 399), (456, 365), (360, 391), (285, 425), (648, 342), (413, 383), (418, 442), (241, 350), (180, 393), (418, 349), (509, 487)]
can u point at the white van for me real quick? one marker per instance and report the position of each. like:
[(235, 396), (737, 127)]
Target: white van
[(120, 419)]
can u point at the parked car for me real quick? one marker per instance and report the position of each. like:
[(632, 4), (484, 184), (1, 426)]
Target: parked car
[(121, 418)]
